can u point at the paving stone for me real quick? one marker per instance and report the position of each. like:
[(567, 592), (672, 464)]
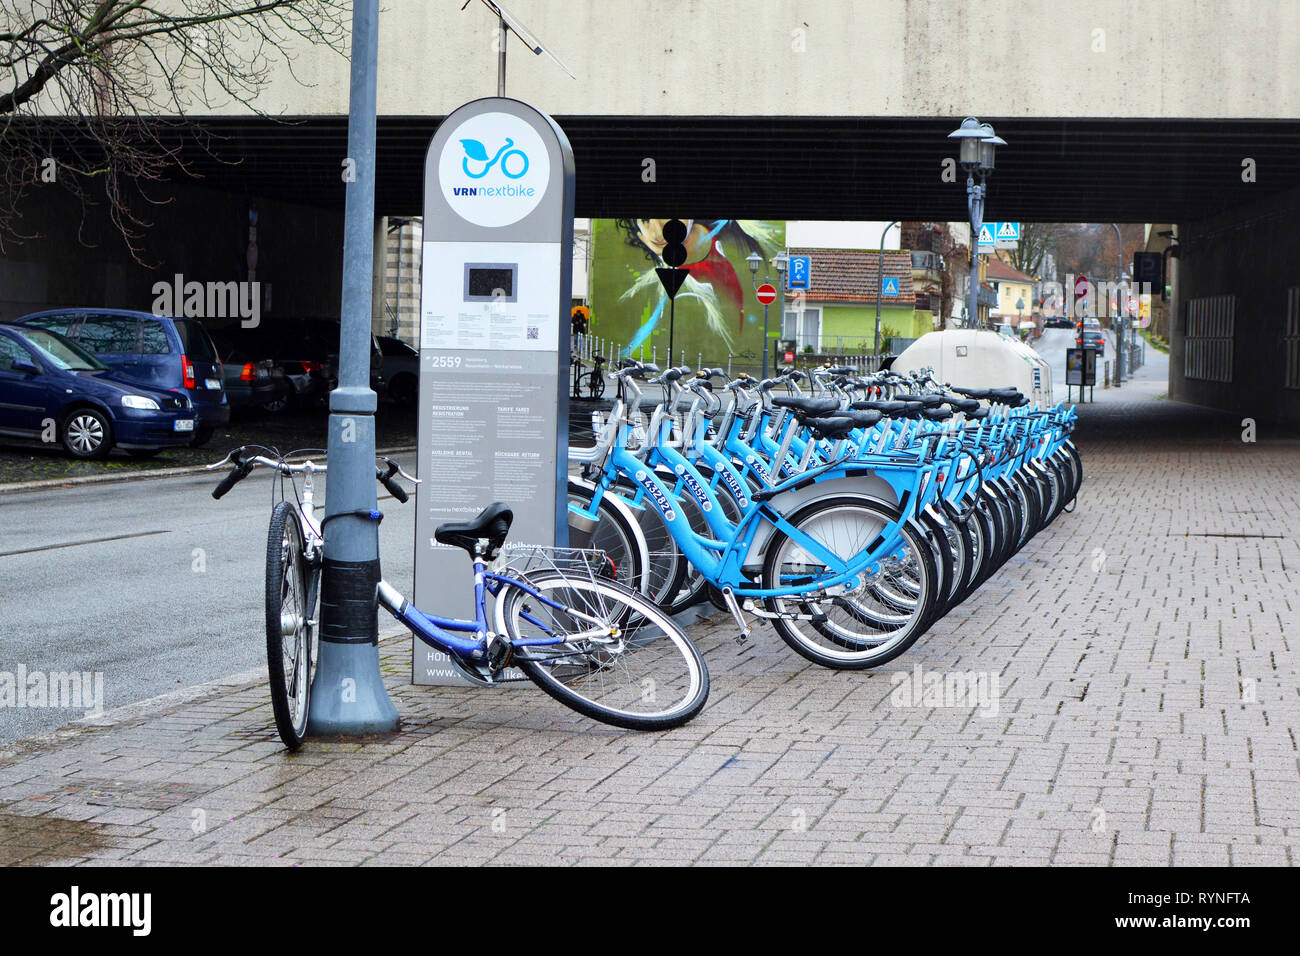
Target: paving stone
[(1122, 636)]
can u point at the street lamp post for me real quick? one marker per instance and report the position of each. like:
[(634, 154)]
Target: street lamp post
[(1119, 307), (781, 262), (978, 144), (350, 697), (754, 260), (880, 279)]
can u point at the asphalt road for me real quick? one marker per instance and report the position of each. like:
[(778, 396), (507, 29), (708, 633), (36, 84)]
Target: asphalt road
[(1052, 345), (151, 582)]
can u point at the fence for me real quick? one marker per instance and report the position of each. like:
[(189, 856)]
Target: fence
[(588, 347)]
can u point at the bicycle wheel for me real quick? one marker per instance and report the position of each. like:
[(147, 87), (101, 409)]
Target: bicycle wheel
[(623, 662), (290, 636), (595, 384), (876, 621), (613, 533), (665, 566)]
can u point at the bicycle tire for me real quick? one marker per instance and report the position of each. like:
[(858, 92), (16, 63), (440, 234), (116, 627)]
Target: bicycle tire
[(665, 566), (614, 534), (288, 580), (576, 676), (852, 651)]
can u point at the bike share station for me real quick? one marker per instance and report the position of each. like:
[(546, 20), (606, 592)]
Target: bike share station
[(494, 343)]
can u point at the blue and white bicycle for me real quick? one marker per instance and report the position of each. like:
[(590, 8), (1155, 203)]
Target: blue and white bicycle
[(558, 615)]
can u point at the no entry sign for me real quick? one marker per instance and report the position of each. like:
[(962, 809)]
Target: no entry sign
[(766, 293)]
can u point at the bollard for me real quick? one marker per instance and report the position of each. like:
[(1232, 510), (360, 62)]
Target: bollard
[(1105, 381)]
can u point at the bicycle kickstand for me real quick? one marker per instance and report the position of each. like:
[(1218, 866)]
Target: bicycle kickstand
[(745, 630)]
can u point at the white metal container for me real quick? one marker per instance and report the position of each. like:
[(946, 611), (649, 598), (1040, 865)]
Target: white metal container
[(971, 358)]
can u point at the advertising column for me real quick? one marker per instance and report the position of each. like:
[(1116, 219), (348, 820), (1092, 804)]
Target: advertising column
[(494, 344)]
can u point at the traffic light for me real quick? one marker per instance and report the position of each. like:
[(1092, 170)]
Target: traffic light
[(674, 255), (675, 239)]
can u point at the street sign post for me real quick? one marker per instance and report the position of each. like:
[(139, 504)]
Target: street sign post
[(1080, 296), (494, 352), (1006, 235), (800, 274)]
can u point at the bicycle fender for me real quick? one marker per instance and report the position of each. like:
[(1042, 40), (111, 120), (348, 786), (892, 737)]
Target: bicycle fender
[(622, 507)]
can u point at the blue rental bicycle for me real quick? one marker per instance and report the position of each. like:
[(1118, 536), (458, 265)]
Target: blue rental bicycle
[(557, 614)]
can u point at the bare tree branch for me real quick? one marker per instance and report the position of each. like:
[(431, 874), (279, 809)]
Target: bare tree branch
[(98, 96)]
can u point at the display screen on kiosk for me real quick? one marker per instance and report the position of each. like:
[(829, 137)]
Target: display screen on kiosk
[(489, 281)]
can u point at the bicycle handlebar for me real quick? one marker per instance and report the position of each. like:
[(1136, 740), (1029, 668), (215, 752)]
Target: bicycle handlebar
[(243, 467)]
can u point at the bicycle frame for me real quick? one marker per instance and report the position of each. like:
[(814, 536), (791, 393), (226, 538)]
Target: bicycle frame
[(440, 632)]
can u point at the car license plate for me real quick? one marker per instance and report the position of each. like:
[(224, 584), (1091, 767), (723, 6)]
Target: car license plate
[(213, 384), (183, 425)]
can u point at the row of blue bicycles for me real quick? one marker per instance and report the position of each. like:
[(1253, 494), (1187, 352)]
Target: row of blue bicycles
[(849, 511), (851, 517)]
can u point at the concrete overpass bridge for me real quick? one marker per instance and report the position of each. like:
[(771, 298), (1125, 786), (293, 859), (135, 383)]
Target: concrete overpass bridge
[(1168, 111)]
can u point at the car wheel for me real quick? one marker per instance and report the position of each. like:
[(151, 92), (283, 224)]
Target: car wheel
[(404, 389), (87, 434), (276, 405), (201, 437)]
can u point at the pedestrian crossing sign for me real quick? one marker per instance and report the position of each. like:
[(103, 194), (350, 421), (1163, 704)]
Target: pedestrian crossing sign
[(890, 286), (987, 237)]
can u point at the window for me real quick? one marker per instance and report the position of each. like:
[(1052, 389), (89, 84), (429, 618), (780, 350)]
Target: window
[(59, 322), (1207, 338), (195, 342), (804, 326), (110, 335), (1291, 338), (153, 339), (10, 351)]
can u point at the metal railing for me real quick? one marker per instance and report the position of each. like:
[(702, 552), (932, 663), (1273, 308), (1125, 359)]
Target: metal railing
[(586, 347)]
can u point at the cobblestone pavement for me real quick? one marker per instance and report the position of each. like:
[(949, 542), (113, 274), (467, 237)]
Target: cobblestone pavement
[(1148, 714)]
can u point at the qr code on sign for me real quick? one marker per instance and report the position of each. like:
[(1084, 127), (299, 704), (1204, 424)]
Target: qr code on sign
[(532, 332)]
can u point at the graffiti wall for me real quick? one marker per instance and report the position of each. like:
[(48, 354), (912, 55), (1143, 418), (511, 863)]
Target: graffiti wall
[(716, 312)]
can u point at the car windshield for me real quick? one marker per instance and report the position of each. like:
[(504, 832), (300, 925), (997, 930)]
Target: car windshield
[(62, 353)]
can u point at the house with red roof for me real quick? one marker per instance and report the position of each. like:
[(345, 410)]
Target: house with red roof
[(1015, 292), (838, 310)]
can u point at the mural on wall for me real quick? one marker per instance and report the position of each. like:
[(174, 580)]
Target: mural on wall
[(717, 314)]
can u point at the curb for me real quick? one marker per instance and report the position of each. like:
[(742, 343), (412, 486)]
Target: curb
[(137, 710), (140, 475)]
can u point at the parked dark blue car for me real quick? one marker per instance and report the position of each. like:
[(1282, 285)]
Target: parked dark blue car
[(154, 350), (51, 389)]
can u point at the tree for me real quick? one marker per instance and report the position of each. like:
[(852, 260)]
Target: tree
[(97, 94), (1037, 239)]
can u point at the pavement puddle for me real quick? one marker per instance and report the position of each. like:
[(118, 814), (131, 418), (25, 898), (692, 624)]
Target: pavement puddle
[(54, 838)]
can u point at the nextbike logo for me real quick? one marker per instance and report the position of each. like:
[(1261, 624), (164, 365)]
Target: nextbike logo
[(658, 496), (694, 488), (494, 169), (730, 481), (757, 465)]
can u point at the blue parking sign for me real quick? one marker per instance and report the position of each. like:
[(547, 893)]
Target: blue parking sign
[(800, 274)]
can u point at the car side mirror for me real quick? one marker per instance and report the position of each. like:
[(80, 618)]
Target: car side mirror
[(26, 365)]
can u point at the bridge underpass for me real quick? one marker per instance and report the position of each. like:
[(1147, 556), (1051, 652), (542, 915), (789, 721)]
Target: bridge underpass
[(1234, 230)]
